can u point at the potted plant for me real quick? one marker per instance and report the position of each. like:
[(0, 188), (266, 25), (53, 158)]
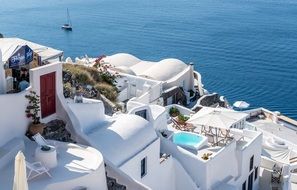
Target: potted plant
[(182, 119), (32, 113), (206, 156), (173, 112)]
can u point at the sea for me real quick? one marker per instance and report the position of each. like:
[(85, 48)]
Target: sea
[(244, 49)]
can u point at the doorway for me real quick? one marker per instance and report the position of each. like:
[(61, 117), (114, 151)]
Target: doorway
[(48, 94)]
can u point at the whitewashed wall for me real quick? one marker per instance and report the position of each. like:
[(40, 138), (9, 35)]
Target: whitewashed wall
[(46, 69), (183, 79), (90, 115), (254, 147), (222, 166), (158, 177), (205, 174), (14, 122), (125, 82), (182, 178), (93, 181)]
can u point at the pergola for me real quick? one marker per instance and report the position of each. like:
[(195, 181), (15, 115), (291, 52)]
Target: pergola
[(216, 122)]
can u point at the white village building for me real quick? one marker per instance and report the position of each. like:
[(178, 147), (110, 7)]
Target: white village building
[(66, 166), (145, 148), (165, 82)]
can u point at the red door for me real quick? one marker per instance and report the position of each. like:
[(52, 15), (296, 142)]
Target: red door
[(48, 94)]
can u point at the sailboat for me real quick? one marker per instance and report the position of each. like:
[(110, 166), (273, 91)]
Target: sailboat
[(68, 25)]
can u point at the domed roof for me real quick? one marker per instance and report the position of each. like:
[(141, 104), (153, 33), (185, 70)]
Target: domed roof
[(124, 69), (165, 69), (121, 59), (124, 138)]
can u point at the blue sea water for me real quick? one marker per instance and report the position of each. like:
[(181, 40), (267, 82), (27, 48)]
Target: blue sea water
[(245, 50)]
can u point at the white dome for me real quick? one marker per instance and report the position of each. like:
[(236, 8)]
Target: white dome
[(124, 138), (121, 59), (165, 69), (124, 69)]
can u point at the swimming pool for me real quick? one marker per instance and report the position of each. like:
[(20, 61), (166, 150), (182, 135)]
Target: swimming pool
[(189, 140)]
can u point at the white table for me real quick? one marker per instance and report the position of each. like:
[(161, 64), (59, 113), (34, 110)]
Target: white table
[(47, 158)]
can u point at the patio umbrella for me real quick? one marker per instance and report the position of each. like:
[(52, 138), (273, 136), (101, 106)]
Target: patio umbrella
[(241, 104), (20, 178), (216, 117)]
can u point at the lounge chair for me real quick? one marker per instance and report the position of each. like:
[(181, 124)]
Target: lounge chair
[(276, 174), (40, 140), (36, 169), (184, 127)]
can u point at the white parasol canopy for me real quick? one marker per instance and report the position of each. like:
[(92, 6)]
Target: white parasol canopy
[(241, 104), (20, 178), (216, 117)]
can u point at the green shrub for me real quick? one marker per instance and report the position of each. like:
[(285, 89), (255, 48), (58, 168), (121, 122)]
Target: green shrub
[(173, 112), (107, 90), (182, 118)]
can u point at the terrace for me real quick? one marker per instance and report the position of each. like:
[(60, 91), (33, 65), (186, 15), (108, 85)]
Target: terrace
[(273, 124), (77, 167)]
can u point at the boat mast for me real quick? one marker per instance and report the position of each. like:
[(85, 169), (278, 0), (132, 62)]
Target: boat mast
[(68, 18)]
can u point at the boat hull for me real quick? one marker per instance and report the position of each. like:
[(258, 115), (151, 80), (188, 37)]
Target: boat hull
[(68, 28)]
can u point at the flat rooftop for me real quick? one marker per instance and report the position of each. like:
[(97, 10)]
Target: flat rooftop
[(74, 161), (279, 130)]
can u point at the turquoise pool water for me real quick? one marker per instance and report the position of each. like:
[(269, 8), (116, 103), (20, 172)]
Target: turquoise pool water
[(187, 139)]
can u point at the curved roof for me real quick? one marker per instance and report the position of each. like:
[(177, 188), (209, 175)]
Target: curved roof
[(124, 69), (121, 59), (124, 138), (142, 66), (165, 69)]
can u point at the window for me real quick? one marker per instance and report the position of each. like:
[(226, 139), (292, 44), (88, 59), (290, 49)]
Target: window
[(244, 186), (142, 113), (251, 163), (143, 167), (256, 173), (250, 183)]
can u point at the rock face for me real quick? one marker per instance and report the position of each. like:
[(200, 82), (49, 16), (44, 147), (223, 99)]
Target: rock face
[(87, 91), (56, 130)]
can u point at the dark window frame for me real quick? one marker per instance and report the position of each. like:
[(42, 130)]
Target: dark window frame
[(143, 167), (251, 181), (243, 187), (251, 163), (142, 113), (256, 173)]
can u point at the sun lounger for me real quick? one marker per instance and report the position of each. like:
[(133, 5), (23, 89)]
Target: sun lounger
[(40, 140)]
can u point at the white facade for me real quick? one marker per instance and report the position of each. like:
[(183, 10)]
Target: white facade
[(145, 81), (126, 139), (76, 166)]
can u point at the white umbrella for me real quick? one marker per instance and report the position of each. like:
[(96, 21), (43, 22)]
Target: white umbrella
[(216, 117), (20, 177), (241, 104)]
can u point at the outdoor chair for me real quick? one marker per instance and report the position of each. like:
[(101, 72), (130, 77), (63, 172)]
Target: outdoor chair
[(276, 174), (206, 130), (184, 127), (40, 140), (36, 169)]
